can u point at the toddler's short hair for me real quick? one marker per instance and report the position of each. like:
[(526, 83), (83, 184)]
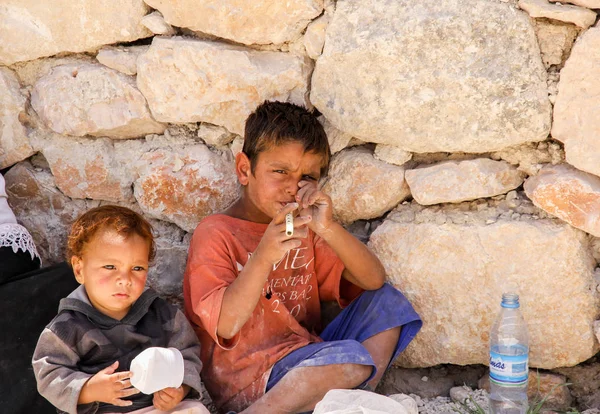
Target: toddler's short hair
[(122, 220), (274, 123)]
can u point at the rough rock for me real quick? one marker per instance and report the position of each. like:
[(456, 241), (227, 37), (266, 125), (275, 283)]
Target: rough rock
[(256, 22), (155, 22), (542, 385), (576, 121), (362, 187), (456, 181), (429, 255), (314, 38), (237, 145), (579, 16), (123, 59), (31, 29), (468, 74), (88, 99), (569, 194), (338, 140), (183, 185), (29, 72), (429, 382), (555, 40), (585, 383), (215, 135), (14, 143), (391, 154), (43, 209), (531, 157), (166, 272), (590, 4), (215, 82), (86, 168)]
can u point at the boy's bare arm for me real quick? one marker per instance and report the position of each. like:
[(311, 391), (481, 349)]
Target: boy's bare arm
[(242, 295), (363, 268)]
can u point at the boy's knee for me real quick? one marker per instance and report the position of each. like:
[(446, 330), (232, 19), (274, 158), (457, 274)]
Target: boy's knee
[(357, 374)]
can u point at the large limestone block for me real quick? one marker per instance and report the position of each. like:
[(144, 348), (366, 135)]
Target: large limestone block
[(429, 76), (43, 209), (199, 81), (454, 274), (590, 4), (576, 120), (456, 181), (184, 185), (86, 168), (34, 28), (14, 143), (92, 100), (362, 187), (569, 194), (247, 22), (579, 16)]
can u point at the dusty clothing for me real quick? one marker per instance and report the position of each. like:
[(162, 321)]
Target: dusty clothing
[(80, 341), (286, 317)]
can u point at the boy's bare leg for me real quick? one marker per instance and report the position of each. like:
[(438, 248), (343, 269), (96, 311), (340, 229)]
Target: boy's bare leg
[(302, 388), (381, 347)]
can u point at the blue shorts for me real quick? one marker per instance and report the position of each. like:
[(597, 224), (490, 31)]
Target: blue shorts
[(374, 311)]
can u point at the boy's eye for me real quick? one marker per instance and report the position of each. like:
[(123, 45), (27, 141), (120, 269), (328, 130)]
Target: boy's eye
[(309, 177), (109, 267), (138, 268), (279, 171)]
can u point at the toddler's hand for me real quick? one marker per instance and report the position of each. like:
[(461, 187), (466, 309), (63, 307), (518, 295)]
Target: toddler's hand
[(167, 398), (108, 387), (315, 203), (275, 243)]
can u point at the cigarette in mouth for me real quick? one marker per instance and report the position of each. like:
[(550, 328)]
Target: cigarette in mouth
[(289, 224)]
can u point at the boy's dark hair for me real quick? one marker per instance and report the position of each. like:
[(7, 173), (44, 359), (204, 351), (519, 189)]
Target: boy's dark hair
[(120, 219), (274, 123)]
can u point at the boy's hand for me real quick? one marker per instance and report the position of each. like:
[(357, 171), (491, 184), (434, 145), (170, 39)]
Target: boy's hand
[(106, 386), (316, 204), (167, 398), (275, 243)]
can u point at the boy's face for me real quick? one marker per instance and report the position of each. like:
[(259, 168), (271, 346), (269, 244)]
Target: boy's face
[(275, 180), (113, 269)]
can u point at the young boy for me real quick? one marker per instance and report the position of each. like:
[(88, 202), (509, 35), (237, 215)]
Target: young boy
[(82, 358), (253, 292)]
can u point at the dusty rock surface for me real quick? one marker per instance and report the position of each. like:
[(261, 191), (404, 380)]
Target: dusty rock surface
[(123, 59), (67, 26), (576, 122), (556, 41), (579, 16), (258, 22), (314, 38), (362, 187), (14, 143), (456, 181), (429, 254), (426, 54), (569, 194), (391, 154), (155, 22), (590, 4), (216, 82), (43, 209), (531, 157), (92, 100)]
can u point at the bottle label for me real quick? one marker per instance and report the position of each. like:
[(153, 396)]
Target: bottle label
[(509, 370)]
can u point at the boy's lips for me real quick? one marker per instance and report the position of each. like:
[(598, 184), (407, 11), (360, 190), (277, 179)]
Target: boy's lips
[(121, 295)]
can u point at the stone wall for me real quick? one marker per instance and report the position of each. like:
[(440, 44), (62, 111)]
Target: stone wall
[(466, 138)]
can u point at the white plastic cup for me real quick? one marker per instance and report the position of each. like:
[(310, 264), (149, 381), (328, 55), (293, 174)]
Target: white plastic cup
[(157, 368)]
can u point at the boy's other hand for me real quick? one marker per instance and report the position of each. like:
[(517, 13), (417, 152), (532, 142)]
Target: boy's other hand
[(108, 386), (315, 203), (167, 398), (275, 243)]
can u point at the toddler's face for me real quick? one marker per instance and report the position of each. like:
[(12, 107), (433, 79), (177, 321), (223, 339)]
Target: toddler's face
[(113, 269)]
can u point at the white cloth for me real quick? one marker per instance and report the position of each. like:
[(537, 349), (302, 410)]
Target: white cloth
[(157, 368), (364, 402), (18, 238), (6, 213)]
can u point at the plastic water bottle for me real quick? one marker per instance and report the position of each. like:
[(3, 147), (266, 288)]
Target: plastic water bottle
[(509, 359)]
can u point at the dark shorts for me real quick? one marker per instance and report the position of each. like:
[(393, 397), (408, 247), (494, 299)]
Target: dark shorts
[(374, 311)]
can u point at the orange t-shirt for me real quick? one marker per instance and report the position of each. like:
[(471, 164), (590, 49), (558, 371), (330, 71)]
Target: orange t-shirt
[(236, 371)]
